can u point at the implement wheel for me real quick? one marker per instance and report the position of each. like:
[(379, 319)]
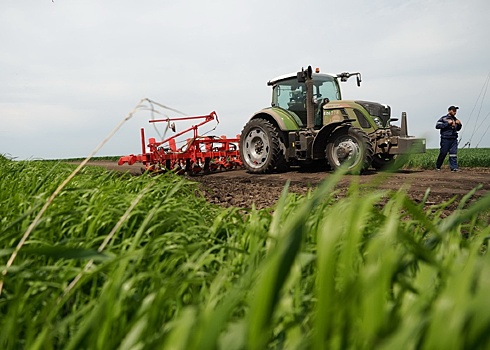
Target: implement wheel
[(261, 148), (349, 146)]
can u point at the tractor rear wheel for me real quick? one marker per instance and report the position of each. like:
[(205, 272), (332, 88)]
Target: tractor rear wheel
[(261, 147), (349, 146)]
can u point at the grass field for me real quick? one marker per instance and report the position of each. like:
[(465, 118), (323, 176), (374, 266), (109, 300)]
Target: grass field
[(143, 262), (467, 158)]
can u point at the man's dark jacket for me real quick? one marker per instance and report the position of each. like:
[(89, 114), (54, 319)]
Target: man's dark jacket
[(448, 131)]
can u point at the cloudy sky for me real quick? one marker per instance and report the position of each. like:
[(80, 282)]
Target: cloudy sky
[(71, 70)]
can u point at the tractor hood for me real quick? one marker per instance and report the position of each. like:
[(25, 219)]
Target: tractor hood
[(377, 110)]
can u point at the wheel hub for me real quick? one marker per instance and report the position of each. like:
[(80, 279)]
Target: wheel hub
[(258, 145), (346, 149), (256, 148)]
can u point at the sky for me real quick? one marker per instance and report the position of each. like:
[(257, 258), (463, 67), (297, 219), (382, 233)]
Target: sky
[(72, 70)]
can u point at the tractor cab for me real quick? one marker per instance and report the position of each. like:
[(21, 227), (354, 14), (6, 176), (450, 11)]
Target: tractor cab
[(290, 94)]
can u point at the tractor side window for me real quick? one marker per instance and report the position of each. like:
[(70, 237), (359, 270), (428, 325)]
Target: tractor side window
[(290, 96)]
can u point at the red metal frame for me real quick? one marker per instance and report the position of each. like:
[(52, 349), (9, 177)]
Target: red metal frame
[(199, 154)]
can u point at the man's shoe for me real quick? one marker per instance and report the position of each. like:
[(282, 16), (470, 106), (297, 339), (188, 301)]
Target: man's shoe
[(455, 170), (438, 169)]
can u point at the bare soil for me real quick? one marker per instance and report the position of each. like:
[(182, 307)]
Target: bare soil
[(240, 189)]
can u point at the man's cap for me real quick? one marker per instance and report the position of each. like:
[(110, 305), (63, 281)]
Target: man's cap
[(452, 108)]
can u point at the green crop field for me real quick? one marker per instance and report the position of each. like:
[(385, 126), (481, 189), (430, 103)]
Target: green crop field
[(110, 261), (467, 158)]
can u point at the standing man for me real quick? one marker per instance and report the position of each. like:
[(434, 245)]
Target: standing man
[(449, 126)]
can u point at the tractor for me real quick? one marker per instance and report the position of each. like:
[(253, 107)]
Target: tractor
[(309, 122)]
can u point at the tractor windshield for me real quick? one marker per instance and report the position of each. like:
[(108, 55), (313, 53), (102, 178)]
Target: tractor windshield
[(290, 94)]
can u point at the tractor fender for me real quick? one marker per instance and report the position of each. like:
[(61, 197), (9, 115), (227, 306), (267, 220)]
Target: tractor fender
[(284, 120), (321, 139)]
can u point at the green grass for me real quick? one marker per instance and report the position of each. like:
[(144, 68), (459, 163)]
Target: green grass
[(145, 263), (467, 158)]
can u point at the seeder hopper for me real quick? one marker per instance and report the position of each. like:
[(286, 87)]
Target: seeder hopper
[(199, 154)]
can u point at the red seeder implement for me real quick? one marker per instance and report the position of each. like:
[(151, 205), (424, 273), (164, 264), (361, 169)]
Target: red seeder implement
[(198, 154)]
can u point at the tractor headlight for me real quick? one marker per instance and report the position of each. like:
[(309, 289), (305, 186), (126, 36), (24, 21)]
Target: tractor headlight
[(378, 122)]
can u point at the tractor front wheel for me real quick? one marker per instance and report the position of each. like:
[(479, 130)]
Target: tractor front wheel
[(261, 148), (389, 162), (383, 161), (350, 147)]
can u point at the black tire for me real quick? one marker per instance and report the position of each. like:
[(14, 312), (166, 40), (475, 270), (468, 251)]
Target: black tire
[(261, 148), (389, 162), (349, 146), (383, 161)]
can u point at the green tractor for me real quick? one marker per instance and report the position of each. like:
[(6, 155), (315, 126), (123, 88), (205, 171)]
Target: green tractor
[(309, 121)]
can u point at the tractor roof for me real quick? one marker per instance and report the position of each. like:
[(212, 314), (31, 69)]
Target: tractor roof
[(294, 75)]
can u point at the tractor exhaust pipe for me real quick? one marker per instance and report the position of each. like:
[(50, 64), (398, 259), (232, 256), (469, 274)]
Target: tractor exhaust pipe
[(310, 105), (306, 77), (404, 126)]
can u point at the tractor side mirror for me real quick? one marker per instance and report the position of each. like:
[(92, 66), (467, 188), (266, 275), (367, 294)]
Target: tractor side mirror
[(346, 75)]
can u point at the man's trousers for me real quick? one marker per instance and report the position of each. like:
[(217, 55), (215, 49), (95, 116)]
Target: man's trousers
[(448, 146)]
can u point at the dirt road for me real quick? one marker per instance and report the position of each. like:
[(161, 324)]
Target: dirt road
[(240, 189)]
